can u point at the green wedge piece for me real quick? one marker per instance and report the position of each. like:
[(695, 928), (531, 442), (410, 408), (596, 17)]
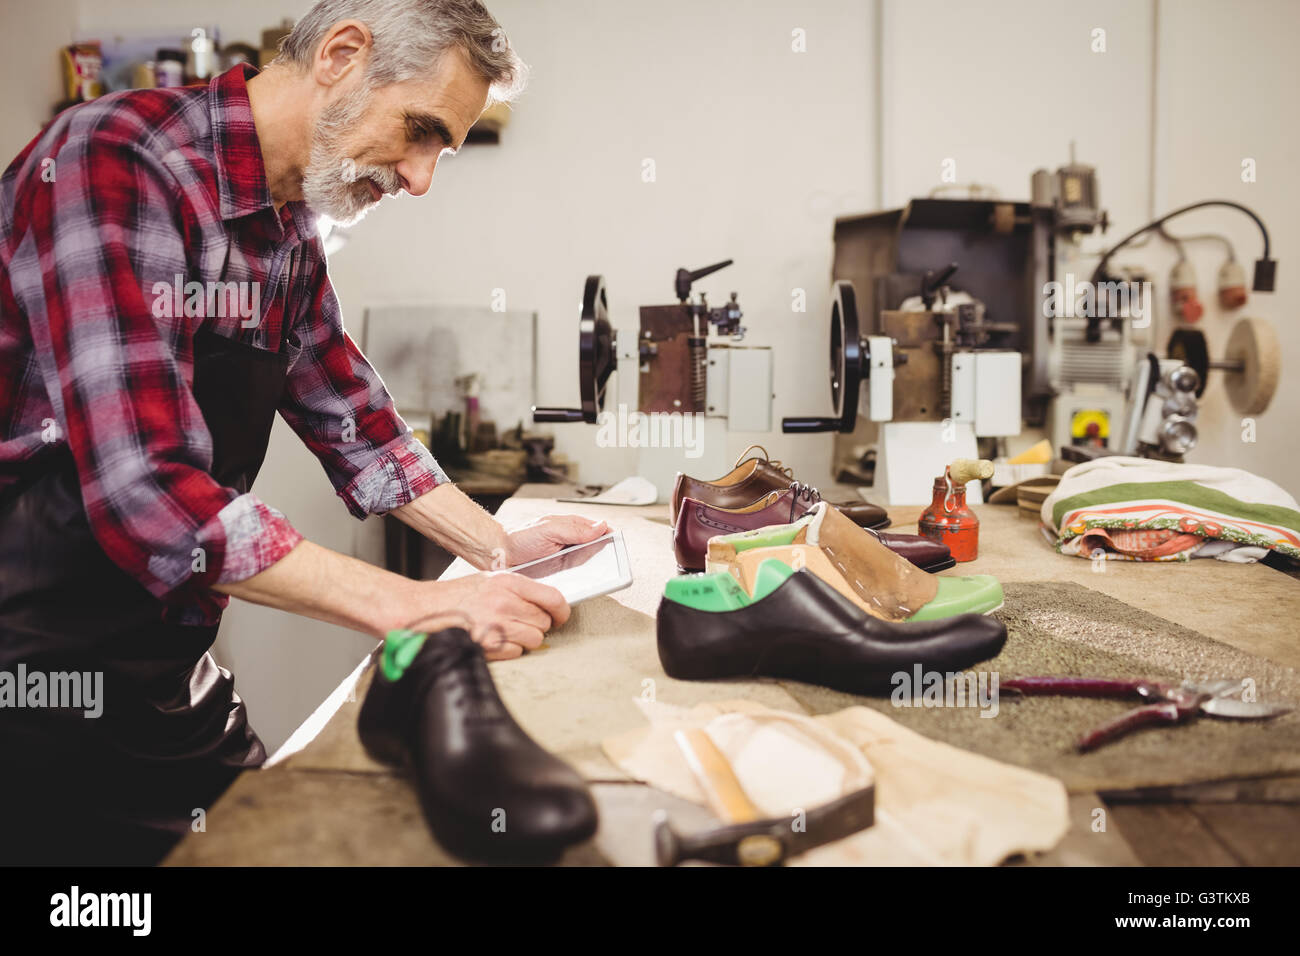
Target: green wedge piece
[(976, 594), (716, 591), (400, 648), (772, 573)]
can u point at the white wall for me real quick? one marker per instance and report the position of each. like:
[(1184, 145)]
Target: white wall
[(1229, 77), (1005, 88), (30, 79)]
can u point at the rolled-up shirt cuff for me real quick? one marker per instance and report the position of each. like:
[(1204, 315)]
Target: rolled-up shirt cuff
[(245, 537), (401, 472), (256, 536)]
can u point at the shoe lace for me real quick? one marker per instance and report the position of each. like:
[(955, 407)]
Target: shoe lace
[(802, 492), (786, 470), (462, 669)]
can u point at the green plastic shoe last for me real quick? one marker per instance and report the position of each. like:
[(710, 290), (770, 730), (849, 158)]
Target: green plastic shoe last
[(400, 648), (715, 591), (976, 594), (772, 573)]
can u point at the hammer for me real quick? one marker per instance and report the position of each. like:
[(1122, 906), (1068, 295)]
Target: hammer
[(750, 840)]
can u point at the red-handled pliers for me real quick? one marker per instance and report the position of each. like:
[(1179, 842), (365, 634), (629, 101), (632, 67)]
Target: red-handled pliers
[(1171, 703)]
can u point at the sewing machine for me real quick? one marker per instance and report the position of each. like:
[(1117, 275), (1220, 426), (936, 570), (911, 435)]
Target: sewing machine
[(686, 380)]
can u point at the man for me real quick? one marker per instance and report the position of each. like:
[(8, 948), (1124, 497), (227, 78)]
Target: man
[(163, 294)]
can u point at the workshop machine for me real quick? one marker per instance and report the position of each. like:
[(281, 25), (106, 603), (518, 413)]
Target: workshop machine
[(1107, 389), (1081, 373), (983, 313), (687, 380), (934, 356)]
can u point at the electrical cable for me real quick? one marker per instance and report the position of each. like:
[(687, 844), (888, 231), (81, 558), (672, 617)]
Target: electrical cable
[(1264, 266), (1201, 237)]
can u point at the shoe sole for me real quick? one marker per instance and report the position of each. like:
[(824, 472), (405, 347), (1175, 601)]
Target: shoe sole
[(878, 526), (943, 565), (930, 568)]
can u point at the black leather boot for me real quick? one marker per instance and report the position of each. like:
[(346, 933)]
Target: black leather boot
[(806, 630), (488, 791)]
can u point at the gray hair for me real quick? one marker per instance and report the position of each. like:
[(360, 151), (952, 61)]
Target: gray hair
[(410, 37)]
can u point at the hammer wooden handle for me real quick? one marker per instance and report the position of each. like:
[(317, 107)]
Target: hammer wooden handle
[(963, 470), (713, 772)]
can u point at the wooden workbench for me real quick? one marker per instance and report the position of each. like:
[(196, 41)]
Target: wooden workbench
[(328, 804)]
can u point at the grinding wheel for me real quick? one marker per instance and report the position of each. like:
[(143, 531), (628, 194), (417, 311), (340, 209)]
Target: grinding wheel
[(1252, 346)]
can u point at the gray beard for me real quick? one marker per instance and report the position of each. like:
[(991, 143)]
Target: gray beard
[(333, 184)]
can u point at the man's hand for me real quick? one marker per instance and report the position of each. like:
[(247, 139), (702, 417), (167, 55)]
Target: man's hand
[(546, 536), (509, 613), (448, 518)]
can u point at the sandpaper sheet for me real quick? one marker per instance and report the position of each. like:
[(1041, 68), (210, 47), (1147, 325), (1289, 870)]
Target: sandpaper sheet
[(1064, 628)]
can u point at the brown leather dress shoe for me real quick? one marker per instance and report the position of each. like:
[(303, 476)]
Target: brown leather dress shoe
[(753, 478), (925, 554), (698, 522)]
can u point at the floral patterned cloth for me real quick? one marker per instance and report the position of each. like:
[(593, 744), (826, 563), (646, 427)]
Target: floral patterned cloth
[(1136, 509)]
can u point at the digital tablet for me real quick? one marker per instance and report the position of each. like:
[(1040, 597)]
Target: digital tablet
[(579, 572)]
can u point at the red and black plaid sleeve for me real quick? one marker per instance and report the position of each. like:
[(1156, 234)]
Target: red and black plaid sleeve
[(84, 249)]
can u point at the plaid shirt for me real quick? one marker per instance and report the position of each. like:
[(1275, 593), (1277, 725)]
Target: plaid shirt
[(104, 220)]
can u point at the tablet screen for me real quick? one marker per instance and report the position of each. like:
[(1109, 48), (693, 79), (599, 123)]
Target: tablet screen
[(581, 572), (583, 569)]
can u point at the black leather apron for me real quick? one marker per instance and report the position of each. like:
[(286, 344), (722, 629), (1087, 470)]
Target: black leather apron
[(123, 787)]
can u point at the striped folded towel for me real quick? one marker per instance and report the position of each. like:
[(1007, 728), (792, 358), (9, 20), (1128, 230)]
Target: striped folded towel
[(1136, 509)]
